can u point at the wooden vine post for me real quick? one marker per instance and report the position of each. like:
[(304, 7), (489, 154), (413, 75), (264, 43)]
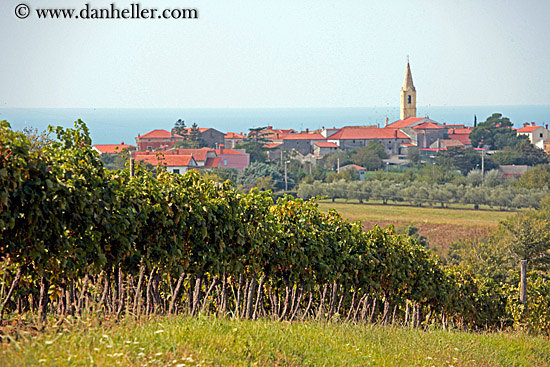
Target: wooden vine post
[(132, 169)]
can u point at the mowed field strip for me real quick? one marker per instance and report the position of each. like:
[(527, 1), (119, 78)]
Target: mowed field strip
[(414, 214), (441, 226)]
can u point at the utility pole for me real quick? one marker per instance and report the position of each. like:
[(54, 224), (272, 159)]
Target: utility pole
[(338, 165), (483, 166), (482, 161)]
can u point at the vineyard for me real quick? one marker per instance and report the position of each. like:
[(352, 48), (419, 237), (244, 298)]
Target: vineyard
[(77, 239)]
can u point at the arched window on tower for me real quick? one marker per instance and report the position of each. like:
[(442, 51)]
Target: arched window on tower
[(409, 99)]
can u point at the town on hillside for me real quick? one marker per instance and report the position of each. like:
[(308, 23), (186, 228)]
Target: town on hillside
[(411, 138)]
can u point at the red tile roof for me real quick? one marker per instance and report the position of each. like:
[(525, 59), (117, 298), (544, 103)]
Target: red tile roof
[(199, 155), (326, 144), (168, 160), (359, 168), (367, 133), (360, 127), (233, 136), (112, 148), (303, 136), (408, 145), (272, 145), (227, 151), (427, 125), (460, 131), (285, 131), (212, 162), (462, 135), (201, 129), (511, 171), (448, 143), (463, 138), (158, 134), (528, 129), (404, 123), (280, 131)]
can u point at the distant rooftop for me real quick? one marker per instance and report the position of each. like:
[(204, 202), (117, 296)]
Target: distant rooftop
[(158, 134), (528, 129), (112, 148), (357, 167), (362, 133), (326, 144), (168, 160)]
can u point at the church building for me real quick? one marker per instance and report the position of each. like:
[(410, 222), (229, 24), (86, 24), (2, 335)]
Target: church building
[(423, 132)]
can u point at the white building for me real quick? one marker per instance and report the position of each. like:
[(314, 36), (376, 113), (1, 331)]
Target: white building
[(536, 134)]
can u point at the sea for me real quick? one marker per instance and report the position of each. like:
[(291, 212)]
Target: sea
[(116, 125)]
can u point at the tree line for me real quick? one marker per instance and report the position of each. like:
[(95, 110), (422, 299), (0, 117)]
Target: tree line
[(423, 193)]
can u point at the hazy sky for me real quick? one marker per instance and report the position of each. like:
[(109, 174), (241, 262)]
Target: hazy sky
[(283, 53)]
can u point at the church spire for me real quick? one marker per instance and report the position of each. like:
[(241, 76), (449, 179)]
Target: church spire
[(408, 83), (408, 96)]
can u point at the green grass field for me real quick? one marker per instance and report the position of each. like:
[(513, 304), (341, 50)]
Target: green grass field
[(207, 341), (441, 226), (412, 214)]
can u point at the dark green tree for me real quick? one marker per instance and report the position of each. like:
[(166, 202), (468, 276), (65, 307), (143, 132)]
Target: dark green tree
[(179, 127), (195, 135), (250, 175), (496, 132), (330, 161), (523, 153), (191, 136), (369, 156), (254, 144), (463, 159)]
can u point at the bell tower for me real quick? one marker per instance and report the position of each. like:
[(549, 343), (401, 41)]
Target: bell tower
[(408, 96)]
